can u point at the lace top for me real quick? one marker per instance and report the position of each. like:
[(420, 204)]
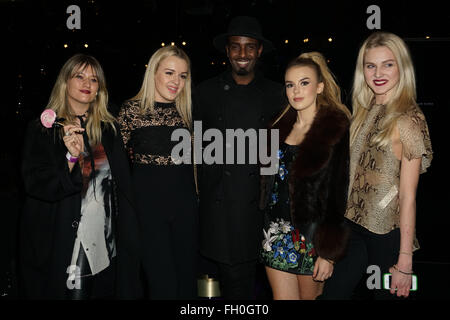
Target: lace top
[(375, 171), (147, 137)]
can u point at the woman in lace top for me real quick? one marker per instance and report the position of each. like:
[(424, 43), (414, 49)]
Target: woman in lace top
[(389, 148), (163, 186)]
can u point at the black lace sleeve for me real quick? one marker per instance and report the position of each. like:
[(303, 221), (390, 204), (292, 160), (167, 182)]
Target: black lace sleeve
[(125, 126)]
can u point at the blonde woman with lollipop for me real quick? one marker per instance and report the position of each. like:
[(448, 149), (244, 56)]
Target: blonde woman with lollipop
[(78, 237)]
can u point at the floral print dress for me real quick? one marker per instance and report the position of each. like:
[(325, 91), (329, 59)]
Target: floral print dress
[(283, 247)]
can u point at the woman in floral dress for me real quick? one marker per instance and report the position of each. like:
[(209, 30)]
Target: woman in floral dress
[(304, 202)]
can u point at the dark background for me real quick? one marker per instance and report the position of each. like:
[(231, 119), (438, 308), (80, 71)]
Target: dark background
[(123, 35)]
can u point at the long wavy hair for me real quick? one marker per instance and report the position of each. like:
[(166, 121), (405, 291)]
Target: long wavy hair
[(146, 94), (403, 97), (331, 94), (98, 109)]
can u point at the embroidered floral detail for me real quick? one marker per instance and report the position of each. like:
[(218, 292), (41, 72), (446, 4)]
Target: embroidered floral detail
[(293, 257), (267, 242), (285, 226), (279, 250), (284, 249), (274, 199), (282, 171), (273, 228), (281, 175), (280, 154)]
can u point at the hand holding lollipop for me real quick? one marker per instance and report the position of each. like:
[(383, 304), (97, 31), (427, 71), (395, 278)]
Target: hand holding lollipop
[(49, 119), (73, 138)]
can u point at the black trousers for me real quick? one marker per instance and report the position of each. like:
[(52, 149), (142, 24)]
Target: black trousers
[(365, 248), (169, 259), (168, 216), (100, 286), (237, 281)]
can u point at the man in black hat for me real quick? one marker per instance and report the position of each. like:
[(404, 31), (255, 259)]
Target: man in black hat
[(239, 98)]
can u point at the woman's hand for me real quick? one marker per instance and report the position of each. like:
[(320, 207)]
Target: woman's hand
[(323, 269), (73, 139), (401, 282)]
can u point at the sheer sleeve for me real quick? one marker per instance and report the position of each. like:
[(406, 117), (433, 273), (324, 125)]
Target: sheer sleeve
[(124, 123), (415, 137)]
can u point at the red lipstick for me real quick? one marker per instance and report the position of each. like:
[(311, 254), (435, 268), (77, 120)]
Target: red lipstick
[(380, 82), (86, 91)]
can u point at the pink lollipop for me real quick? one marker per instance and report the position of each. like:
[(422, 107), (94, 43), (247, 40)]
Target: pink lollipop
[(48, 117)]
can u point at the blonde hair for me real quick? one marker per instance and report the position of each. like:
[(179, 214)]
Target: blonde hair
[(98, 109), (331, 94), (403, 97), (146, 94)]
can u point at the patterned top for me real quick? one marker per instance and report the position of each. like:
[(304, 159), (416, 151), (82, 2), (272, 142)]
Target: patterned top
[(147, 137), (375, 171), (98, 209)]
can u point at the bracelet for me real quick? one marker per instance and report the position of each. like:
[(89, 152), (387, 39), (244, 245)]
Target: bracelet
[(407, 253), (407, 273), (70, 158)]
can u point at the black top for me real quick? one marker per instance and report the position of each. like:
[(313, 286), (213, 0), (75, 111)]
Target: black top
[(279, 203), (147, 137)]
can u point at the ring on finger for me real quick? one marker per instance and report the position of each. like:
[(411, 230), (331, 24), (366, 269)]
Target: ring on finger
[(68, 133)]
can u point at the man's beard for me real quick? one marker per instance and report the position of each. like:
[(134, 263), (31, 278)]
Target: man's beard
[(242, 72)]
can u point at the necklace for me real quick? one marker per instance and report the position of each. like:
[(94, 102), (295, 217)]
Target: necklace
[(84, 115)]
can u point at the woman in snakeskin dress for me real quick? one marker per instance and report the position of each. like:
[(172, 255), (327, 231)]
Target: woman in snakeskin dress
[(389, 148)]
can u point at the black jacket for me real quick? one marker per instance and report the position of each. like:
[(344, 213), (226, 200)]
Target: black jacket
[(52, 211), (318, 182), (230, 224)]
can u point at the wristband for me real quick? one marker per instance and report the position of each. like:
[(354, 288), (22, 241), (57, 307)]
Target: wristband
[(397, 269), (70, 158)]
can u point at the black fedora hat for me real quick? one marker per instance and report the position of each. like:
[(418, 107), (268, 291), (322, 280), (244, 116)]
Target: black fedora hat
[(243, 26)]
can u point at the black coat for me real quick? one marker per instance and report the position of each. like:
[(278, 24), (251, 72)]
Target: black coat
[(52, 211), (230, 224), (318, 182)]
